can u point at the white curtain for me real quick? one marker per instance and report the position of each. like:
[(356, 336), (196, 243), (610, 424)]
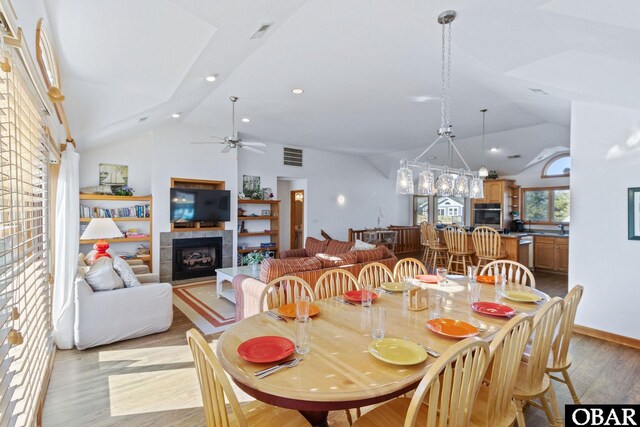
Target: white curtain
[(67, 247)]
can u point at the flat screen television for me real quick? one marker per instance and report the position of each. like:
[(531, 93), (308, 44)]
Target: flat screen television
[(190, 204)]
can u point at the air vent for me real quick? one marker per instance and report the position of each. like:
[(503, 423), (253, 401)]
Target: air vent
[(261, 31), (515, 156), (292, 157)]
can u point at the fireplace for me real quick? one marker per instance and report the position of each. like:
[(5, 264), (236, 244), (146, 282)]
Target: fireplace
[(198, 257)]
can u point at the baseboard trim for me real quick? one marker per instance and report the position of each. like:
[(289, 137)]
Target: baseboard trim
[(607, 336)]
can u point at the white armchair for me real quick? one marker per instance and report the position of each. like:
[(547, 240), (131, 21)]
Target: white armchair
[(110, 316)]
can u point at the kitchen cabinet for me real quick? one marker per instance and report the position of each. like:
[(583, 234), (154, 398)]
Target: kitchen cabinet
[(551, 253), (499, 192), (494, 191)]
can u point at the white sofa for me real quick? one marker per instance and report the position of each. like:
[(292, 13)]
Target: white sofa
[(110, 316)]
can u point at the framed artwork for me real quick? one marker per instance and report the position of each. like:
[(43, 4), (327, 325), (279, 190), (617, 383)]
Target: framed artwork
[(634, 213), (266, 212), (114, 175), (250, 185)]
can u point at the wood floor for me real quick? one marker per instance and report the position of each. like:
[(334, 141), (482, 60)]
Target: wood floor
[(151, 381)]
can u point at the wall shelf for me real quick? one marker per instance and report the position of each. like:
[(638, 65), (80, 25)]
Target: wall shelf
[(271, 231), (247, 250)]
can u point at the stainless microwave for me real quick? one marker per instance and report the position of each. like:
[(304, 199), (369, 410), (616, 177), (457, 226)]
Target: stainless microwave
[(489, 214)]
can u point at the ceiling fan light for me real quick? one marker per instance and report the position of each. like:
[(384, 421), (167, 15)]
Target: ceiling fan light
[(483, 172), (404, 178)]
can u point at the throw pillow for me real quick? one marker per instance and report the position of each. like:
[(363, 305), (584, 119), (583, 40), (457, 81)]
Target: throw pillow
[(102, 277), (335, 247), (330, 261), (125, 272), (371, 255), (362, 246), (313, 246)]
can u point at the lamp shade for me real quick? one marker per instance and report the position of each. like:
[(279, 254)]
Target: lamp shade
[(101, 228)]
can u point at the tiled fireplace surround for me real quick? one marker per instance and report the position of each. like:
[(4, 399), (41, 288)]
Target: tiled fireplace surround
[(166, 251)]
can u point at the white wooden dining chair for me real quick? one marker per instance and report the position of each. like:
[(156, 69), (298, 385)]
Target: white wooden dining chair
[(408, 267), (375, 273), (514, 271), (444, 395), (561, 360), (216, 388), (284, 290), (335, 282), (533, 382), (494, 406)]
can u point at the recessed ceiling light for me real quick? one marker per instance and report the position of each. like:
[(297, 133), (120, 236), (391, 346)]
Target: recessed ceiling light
[(246, 120), (211, 78), (297, 91), (175, 115), (494, 149)]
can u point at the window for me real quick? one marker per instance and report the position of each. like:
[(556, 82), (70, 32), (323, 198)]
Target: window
[(24, 248), (557, 166), (450, 210), (420, 209), (548, 205)]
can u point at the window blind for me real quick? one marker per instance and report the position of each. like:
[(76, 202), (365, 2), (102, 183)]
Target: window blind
[(25, 294)]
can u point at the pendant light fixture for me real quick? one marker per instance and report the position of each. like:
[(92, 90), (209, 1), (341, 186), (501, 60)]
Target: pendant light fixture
[(483, 172), (459, 183)]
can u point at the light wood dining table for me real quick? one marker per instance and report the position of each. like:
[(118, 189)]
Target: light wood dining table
[(339, 372)]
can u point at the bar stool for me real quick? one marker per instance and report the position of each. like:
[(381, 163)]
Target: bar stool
[(438, 253), (424, 241), (459, 253), (487, 244)]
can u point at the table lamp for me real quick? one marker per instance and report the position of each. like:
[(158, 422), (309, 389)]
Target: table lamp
[(101, 228)]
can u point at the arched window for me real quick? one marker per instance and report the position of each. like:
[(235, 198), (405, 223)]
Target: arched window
[(46, 57), (557, 166)]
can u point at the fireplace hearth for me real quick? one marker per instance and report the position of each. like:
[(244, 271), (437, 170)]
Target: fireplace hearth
[(196, 257)]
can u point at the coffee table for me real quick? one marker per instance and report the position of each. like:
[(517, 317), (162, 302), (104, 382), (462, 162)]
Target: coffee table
[(224, 277)]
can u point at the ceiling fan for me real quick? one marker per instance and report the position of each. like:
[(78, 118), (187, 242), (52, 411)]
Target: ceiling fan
[(234, 141)]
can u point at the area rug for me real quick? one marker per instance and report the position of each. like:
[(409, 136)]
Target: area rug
[(200, 304)]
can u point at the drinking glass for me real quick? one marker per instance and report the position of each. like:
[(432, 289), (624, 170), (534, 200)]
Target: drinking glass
[(472, 273), (435, 305), (474, 291), (302, 306), (367, 291), (303, 335), (378, 320), (406, 285), (500, 284), (441, 273)]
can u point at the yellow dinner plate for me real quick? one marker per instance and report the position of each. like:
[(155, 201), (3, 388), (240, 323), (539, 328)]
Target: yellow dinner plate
[(522, 296), (393, 286), (397, 351)]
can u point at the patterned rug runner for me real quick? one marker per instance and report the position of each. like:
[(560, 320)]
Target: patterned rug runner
[(200, 304)]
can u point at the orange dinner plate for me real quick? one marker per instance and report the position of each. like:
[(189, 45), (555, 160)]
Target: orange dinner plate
[(289, 310), (486, 279), (452, 328), (427, 278)]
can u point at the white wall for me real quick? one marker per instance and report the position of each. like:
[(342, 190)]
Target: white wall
[(330, 175), (157, 156), (601, 258)]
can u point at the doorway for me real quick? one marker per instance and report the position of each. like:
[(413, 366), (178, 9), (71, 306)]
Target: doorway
[(296, 203)]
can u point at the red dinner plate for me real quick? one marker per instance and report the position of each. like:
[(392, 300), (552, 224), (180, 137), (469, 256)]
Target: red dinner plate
[(265, 349), (452, 328), (493, 309), (427, 278), (486, 279), (356, 296)]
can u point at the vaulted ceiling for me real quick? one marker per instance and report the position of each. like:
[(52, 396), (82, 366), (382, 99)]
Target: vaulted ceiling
[(370, 70)]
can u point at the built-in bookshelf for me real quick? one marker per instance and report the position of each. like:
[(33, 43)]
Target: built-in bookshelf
[(259, 226), (132, 214)]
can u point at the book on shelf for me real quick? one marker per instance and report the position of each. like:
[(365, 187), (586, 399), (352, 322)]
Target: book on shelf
[(137, 211)]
